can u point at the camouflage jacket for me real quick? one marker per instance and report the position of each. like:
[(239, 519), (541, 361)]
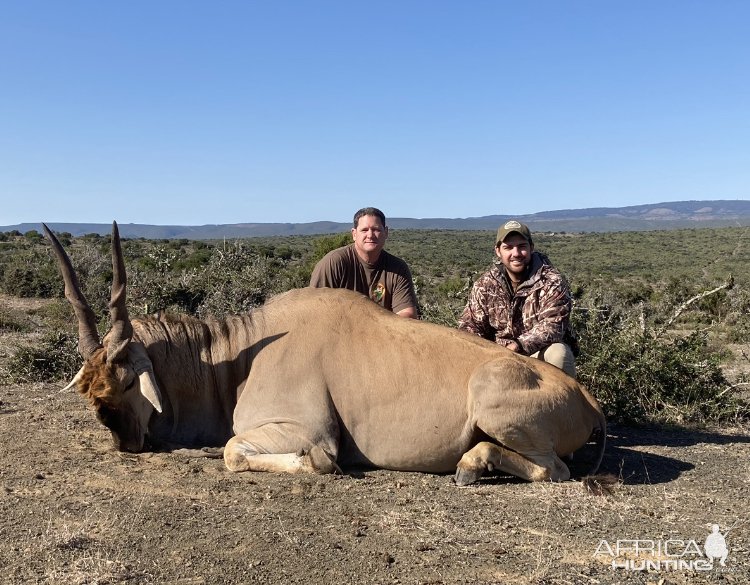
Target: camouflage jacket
[(535, 316)]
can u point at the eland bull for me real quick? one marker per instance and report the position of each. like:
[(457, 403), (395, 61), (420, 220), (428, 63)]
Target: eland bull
[(319, 379)]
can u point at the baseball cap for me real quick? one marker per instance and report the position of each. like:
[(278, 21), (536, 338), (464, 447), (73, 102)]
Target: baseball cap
[(512, 226)]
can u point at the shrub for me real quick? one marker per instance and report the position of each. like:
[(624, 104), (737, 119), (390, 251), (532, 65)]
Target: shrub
[(324, 244), (12, 320), (55, 357), (197, 259), (57, 314), (455, 287), (30, 273), (639, 377), (33, 235), (234, 280), (440, 313), (93, 265)]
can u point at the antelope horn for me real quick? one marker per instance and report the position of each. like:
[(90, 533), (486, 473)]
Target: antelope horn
[(150, 389), (122, 329), (74, 382), (88, 336)]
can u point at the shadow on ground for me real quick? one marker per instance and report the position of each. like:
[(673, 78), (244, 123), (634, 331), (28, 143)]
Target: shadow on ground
[(631, 456)]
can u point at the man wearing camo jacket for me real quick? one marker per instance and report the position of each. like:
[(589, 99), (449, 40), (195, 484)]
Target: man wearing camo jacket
[(523, 302)]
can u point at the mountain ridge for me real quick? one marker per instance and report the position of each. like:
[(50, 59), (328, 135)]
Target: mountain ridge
[(646, 217)]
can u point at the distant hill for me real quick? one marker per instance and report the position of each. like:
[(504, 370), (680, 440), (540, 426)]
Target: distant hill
[(655, 216)]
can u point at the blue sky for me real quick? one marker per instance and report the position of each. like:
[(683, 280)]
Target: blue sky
[(191, 113)]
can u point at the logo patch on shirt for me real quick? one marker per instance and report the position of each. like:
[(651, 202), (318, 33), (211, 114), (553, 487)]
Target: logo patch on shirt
[(377, 293)]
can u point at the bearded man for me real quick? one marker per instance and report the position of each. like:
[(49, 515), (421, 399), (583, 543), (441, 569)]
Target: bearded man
[(523, 302)]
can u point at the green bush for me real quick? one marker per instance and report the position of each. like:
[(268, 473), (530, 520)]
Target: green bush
[(54, 358), (30, 272), (324, 244), (33, 235), (440, 313), (57, 314), (12, 320), (92, 261), (455, 287), (234, 281), (197, 259), (641, 377)]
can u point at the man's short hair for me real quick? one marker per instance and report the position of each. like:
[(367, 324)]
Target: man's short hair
[(369, 211)]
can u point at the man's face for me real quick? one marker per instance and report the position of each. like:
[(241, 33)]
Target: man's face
[(369, 236), (515, 254)]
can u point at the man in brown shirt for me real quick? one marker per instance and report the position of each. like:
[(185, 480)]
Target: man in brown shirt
[(365, 267)]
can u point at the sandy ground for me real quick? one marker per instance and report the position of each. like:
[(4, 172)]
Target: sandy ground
[(73, 510)]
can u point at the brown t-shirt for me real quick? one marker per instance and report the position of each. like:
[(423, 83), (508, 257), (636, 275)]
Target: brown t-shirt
[(388, 282)]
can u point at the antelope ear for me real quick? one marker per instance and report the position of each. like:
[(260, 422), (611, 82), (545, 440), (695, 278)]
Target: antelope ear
[(150, 389), (117, 346)]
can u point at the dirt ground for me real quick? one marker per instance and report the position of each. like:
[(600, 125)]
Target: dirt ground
[(73, 510)]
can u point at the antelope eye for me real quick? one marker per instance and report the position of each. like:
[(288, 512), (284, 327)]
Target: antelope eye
[(106, 415)]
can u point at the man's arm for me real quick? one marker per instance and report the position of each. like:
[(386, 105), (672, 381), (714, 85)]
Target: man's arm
[(327, 273), (410, 312), (552, 318), (404, 297), (475, 317)]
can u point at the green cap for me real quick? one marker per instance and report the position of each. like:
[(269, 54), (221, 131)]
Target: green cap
[(513, 227)]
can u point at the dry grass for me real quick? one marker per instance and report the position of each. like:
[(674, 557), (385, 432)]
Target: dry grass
[(77, 551)]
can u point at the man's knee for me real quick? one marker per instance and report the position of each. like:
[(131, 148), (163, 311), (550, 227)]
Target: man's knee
[(561, 356)]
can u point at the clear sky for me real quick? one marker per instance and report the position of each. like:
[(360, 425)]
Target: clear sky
[(191, 113)]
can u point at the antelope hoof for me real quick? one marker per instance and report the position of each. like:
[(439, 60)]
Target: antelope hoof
[(321, 462), (467, 476)]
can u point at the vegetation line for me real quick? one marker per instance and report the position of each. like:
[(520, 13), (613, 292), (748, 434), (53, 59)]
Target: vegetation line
[(684, 371)]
